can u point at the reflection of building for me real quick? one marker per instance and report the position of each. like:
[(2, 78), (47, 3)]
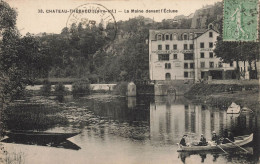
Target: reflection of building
[(186, 54), (169, 120)]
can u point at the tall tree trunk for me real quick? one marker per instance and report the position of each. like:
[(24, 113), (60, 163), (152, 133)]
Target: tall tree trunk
[(256, 74), (250, 69), (244, 70), (238, 70)]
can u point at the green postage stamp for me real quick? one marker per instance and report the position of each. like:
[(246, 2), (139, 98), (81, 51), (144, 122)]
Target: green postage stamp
[(240, 22)]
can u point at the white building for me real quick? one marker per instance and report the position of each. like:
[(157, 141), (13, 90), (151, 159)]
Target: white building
[(186, 54)]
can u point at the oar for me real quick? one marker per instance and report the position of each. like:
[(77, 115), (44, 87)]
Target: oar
[(237, 145), (222, 149)]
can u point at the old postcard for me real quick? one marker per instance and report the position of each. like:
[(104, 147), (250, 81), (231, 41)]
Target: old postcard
[(129, 82)]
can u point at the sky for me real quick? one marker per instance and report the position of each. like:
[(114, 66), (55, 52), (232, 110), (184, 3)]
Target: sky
[(30, 20)]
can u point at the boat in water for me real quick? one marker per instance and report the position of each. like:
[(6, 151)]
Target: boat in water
[(239, 141), (45, 136), (234, 109)]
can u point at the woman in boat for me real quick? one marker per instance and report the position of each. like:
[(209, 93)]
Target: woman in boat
[(183, 141), (203, 141)]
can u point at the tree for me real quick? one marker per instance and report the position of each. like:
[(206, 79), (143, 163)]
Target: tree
[(237, 51)]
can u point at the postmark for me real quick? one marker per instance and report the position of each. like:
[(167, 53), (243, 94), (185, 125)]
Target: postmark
[(94, 14), (240, 21)]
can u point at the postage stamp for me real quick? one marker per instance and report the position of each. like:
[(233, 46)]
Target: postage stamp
[(240, 22)]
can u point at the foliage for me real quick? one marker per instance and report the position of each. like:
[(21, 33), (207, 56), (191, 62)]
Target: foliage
[(237, 51), (32, 117), (59, 89), (81, 87), (46, 88), (121, 88), (21, 59)]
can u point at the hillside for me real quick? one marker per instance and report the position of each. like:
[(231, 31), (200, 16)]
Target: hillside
[(87, 52)]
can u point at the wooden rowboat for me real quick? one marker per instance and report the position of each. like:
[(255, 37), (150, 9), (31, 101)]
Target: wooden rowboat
[(239, 141), (39, 135)]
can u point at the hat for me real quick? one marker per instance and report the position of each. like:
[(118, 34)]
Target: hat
[(213, 132), (201, 134), (185, 135)]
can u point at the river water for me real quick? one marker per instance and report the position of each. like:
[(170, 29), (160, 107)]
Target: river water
[(143, 130)]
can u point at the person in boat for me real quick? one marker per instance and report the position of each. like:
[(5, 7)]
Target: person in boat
[(203, 141), (215, 138), (225, 134), (231, 136), (183, 141), (227, 138)]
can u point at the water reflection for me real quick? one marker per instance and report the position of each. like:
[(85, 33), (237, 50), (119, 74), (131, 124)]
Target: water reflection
[(169, 120)]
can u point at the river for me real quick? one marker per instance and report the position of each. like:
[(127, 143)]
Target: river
[(143, 130)]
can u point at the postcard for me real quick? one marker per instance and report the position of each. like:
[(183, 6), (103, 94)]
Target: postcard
[(129, 82)]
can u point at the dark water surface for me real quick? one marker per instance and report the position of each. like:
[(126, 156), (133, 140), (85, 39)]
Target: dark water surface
[(143, 130)]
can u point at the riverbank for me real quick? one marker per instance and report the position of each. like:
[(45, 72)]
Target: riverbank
[(222, 95)]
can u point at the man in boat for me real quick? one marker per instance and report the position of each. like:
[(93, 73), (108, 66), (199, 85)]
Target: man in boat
[(215, 138), (228, 138), (203, 141), (183, 141)]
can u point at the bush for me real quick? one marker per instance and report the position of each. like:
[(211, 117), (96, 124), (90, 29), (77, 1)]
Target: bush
[(81, 88), (121, 88), (46, 88), (59, 89)]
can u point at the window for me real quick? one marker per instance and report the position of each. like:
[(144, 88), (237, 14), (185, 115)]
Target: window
[(168, 76), (186, 65), (220, 65), (185, 46), (191, 65), (167, 65), (175, 46), (231, 64), (202, 45), (163, 57), (159, 47), (186, 74), (191, 46), (210, 45), (185, 37), (175, 56), (210, 34), (167, 37), (167, 47), (211, 64), (202, 55), (159, 37), (202, 64), (211, 55), (188, 56)]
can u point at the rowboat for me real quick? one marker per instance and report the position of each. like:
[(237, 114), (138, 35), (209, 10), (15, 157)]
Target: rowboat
[(239, 141), (39, 135), (233, 109)]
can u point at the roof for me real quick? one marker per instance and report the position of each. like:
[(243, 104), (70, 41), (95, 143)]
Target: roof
[(179, 32)]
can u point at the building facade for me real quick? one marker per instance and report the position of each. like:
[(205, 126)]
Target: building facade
[(179, 54)]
